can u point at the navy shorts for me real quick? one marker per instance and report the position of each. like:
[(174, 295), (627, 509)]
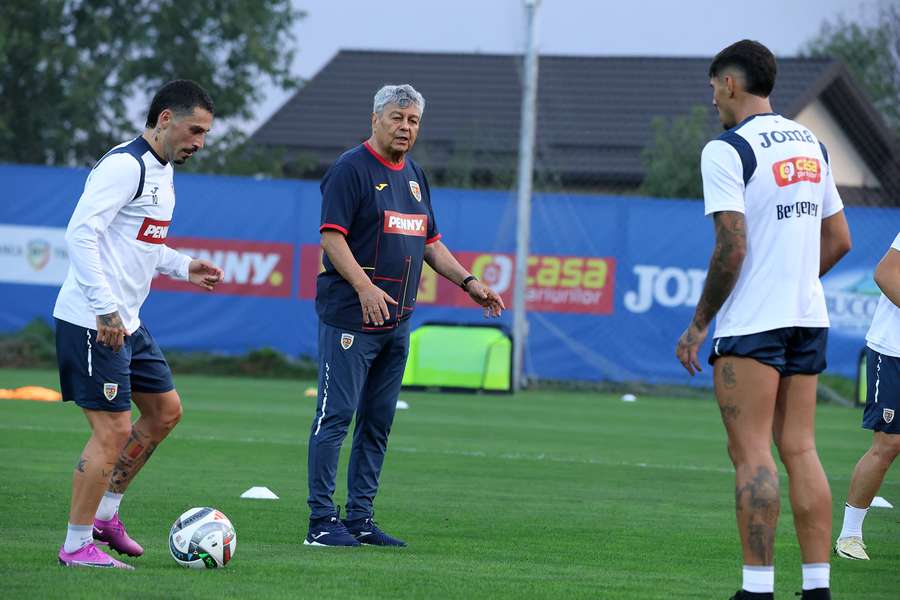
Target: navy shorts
[(790, 350), (96, 378), (882, 392)]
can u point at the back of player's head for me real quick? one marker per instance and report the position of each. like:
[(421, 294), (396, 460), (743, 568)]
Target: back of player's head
[(401, 95), (181, 96), (755, 62)]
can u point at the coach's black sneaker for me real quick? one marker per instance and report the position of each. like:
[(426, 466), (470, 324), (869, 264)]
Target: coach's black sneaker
[(329, 531), (744, 595), (366, 531), (816, 594)]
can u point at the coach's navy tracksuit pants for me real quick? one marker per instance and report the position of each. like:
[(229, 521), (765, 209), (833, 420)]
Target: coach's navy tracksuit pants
[(361, 373)]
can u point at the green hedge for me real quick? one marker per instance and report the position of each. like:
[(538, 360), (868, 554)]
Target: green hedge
[(34, 346)]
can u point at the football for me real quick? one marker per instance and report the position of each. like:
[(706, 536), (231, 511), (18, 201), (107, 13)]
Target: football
[(202, 538)]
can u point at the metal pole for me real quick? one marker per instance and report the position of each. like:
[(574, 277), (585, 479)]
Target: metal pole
[(525, 176)]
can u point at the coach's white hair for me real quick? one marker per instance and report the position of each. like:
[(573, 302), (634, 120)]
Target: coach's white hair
[(401, 95)]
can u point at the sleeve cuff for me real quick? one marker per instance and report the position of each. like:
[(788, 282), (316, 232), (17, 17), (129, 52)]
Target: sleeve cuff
[(333, 226), (717, 209), (105, 309), (185, 267), (433, 239)]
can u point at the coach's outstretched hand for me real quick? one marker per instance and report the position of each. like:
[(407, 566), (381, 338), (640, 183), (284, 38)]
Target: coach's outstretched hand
[(204, 274), (486, 297)]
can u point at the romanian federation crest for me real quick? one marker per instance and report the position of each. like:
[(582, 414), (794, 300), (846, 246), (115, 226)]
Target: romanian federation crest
[(38, 252), (888, 414), (346, 340), (416, 190), (110, 390)]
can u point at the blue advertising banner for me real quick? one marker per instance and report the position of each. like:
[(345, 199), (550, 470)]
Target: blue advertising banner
[(612, 281)]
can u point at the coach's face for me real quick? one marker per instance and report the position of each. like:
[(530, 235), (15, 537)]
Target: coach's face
[(184, 134), (723, 96), (396, 128)]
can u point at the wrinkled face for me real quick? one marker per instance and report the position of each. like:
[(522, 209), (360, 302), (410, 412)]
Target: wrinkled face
[(396, 128), (184, 134), (723, 99)]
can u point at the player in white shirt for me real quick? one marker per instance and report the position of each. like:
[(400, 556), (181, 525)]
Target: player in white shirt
[(107, 358), (779, 225), (882, 412)]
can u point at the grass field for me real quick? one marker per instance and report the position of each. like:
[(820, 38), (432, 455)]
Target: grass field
[(541, 495)]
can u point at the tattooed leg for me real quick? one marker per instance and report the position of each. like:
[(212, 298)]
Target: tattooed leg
[(794, 431), (133, 456), (95, 465), (757, 502), (746, 392), (159, 415)]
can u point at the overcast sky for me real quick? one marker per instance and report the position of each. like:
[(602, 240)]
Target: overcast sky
[(593, 27)]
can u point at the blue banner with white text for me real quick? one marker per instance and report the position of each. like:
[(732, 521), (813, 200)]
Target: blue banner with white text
[(612, 281)]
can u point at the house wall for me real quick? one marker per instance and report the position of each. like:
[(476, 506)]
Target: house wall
[(849, 168)]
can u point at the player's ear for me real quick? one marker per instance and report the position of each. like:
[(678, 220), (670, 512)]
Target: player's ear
[(374, 119), (730, 85), (165, 118)]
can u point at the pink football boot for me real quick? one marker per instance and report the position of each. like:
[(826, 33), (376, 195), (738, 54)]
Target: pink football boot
[(113, 533), (90, 556)]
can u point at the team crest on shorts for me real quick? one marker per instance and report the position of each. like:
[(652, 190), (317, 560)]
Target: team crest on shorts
[(416, 190), (110, 390), (346, 340), (888, 414)]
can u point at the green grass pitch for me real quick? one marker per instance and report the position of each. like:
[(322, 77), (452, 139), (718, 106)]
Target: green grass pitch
[(540, 495)]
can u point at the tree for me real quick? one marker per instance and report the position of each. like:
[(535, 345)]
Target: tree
[(234, 153), (871, 53), (69, 69), (672, 160)]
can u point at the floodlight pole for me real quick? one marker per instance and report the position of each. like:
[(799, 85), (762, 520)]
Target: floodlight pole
[(525, 176)]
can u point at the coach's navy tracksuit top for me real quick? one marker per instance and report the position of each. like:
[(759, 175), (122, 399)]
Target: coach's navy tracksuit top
[(384, 210)]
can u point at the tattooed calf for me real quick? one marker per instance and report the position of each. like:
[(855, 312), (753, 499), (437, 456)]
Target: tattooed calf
[(758, 502)]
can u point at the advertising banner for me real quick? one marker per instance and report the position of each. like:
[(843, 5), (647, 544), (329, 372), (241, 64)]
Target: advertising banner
[(612, 281)]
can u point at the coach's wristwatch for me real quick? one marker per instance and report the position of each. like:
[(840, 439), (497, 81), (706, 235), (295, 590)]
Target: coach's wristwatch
[(466, 281)]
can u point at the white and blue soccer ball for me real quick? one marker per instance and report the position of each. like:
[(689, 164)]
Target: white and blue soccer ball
[(202, 538)]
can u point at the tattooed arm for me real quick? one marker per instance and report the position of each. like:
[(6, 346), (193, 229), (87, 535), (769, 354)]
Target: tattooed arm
[(724, 268), (111, 331)]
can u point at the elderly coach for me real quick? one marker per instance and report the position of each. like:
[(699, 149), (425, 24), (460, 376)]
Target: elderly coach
[(377, 227)]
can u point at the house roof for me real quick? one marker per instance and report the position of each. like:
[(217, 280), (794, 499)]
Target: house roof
[(594, 112)]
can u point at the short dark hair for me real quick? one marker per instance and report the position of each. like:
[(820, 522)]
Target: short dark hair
[(754, 60), (181, 96)]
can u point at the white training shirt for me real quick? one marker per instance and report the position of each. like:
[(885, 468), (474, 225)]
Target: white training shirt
[(775, 172), (116, 237), (884, 333)]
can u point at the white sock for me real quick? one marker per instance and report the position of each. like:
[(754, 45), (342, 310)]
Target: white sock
[(77, 537), (759, 580), (853, 521), (816, 575), (109, 506)]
